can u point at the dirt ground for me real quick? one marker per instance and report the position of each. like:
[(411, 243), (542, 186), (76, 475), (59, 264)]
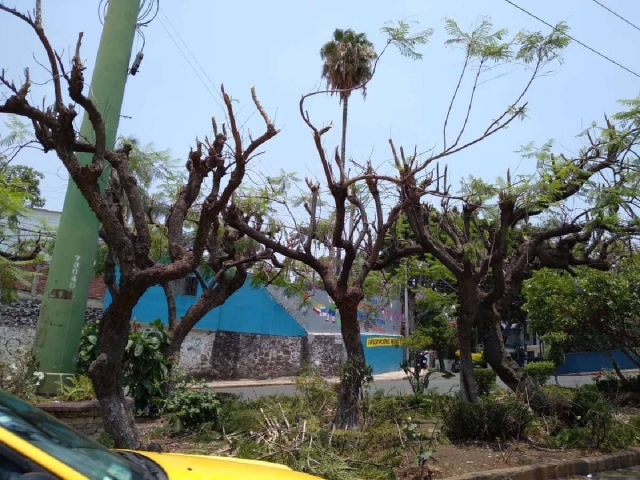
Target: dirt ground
[(448, 461)]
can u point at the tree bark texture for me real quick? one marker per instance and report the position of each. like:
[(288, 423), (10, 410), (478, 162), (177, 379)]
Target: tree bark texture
[(496, 355), (347, 413), (468, 299), (106, 370)]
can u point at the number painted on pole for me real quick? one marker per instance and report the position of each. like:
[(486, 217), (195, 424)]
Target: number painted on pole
[(73, 281)]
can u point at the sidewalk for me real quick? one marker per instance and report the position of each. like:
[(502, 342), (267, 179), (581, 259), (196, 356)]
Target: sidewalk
[(399, 375)]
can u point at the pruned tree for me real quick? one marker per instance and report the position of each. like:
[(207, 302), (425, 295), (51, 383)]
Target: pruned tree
[(130, 242), (574, 211), (371, 240)]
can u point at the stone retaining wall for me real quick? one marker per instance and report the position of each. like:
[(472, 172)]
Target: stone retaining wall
[(205, 354), (81, 416)]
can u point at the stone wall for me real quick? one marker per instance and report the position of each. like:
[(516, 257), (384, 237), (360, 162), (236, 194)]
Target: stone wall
[(82, 416), (241, 355), (205, 354)]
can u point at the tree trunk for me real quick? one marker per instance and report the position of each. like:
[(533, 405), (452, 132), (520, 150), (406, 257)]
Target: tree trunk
[(106, 370), (496, 355), (441, 361), (353, 373), (468, 298), (343, 143), (616, 367), (468, 385)]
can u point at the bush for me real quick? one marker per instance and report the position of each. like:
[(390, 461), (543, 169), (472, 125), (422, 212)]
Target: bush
[(144, 366), (77, 389), (486, 380), (539, 371), (593, 424), (556, 402), (186, 410), (616, 437), (608, 382), (20, 377), (487, 420)]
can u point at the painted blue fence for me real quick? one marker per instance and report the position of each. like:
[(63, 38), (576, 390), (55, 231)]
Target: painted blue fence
[(586, 362), (249, 310), (382, 359)]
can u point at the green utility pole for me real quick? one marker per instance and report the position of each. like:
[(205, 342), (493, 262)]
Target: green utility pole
[(65, 296)]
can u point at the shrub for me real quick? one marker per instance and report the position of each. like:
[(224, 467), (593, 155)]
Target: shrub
[(186, 410), (593, 424), (144, 365), (540, 371), (616, 437), (77, 389), (608, 382), (20, 377), (486, 380), (556, 402), (487, 420)]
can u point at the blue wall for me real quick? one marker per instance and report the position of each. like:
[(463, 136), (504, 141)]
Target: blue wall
[(249, 310), (382, 359), (587, 362)]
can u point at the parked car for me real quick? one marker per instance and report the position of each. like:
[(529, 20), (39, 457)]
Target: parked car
[(36, 446)]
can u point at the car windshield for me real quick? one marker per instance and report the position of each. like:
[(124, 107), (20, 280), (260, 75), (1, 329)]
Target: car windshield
[(65, 444)]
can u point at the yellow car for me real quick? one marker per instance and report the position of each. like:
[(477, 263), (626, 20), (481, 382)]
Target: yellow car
[(36, 446)]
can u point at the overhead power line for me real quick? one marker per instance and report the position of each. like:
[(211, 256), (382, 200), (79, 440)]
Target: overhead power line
[(575, 39), (617, 15), (195, 59)]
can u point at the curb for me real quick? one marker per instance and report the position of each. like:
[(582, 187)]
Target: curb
[(275, 382), (568, 468)]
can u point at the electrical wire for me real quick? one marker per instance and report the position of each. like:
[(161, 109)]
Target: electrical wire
[(617, 15), (574, 39), (195, 59), (146, 14)]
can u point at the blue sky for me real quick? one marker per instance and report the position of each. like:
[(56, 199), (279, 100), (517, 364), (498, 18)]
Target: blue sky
[(274, 46)]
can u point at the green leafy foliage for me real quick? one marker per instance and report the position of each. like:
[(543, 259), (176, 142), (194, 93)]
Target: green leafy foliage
[(488, 420), (540, 371), (144, 364), (590, 311), (486, 380), (19, 190), (77, 389), (187, 410)]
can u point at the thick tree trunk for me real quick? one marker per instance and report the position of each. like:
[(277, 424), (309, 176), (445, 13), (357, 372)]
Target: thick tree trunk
[(106, 371), (441, 361), (495, 353), (347, 413), (468, 298), (468, 385)]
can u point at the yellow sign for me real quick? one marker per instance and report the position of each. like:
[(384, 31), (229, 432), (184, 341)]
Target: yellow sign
[(383, 342)]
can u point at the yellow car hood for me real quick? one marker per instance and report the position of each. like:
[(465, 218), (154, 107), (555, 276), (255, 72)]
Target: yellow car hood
[(201, 467)]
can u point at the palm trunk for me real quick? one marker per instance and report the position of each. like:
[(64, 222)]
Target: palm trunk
[(106, 371), (347, 413), (343, 144)]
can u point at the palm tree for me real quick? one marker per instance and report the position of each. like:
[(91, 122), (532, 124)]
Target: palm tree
[(348, 64)]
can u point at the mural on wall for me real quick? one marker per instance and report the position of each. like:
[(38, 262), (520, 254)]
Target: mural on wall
[(319, 313)]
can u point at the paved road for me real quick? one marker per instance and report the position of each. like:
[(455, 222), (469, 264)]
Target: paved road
[(628, 474), (391, 386)]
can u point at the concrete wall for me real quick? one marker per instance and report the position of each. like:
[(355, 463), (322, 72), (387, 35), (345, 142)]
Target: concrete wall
[(382, 359), (587, 362)]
